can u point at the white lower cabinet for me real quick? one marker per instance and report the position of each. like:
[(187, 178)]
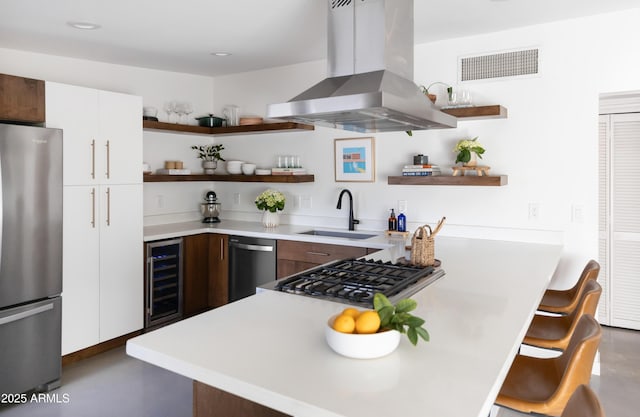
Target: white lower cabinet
[(102, 267)]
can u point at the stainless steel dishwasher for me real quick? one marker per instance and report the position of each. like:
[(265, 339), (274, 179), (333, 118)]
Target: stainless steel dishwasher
[(252, 262)]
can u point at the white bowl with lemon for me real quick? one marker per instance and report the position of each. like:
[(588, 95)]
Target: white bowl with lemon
[(357, 334)]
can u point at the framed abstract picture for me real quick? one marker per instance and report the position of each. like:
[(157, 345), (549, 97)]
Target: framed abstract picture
[(355, 160)]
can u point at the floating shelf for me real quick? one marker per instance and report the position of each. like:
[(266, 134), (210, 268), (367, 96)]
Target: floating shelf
[(478, 112), (229, 178), (492, 181), (231, 130)]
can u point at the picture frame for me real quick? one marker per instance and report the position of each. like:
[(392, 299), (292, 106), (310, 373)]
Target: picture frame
[(354, 159)]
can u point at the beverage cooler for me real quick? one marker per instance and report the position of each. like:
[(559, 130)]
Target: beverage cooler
[(163, 282)]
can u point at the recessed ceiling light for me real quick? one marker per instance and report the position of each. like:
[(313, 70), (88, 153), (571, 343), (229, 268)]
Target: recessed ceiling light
[(84, 25), (220, 53)]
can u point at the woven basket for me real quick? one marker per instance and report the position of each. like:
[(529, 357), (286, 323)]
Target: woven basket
[(423, 246)]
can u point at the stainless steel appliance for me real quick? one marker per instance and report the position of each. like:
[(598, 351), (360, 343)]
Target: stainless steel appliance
[(370, 84), (252, 262), (355, 281), (163, 282), (30, 257), (210, 209)]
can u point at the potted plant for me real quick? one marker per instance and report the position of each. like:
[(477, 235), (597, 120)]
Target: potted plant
[(433, 97), (270, 202), (210, 155), (467, 150)]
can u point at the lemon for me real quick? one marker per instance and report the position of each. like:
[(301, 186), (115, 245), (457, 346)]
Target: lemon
[(368, 322), (344, 324), (350, 311)]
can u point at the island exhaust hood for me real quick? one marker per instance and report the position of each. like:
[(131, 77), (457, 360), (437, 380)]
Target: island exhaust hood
[(370, 71)]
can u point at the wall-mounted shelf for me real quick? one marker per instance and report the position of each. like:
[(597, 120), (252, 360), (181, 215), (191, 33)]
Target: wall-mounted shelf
[(478, 112), (491, 181), (229, 178), (231, 130)]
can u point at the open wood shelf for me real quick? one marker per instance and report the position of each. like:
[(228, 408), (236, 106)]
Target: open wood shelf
[(478, 112), (492, 180), (229, 178), (231, 130)]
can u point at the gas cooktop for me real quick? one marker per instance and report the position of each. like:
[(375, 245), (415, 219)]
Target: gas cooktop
[(355, 281)]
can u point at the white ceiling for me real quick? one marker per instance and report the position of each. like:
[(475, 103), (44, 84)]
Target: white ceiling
[(180, 35)]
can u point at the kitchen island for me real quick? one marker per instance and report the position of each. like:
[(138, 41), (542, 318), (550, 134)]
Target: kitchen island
[(270, 349)]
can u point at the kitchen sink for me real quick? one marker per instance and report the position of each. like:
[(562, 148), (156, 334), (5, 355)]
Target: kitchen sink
[(330, 233)]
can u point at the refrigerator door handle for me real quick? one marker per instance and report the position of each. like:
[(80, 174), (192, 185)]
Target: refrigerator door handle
[(93, 159), (25, 314)]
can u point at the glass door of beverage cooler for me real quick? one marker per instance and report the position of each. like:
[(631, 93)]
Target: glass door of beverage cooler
[(163, 295)]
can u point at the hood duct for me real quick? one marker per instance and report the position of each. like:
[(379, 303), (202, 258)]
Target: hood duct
[(370, 71)]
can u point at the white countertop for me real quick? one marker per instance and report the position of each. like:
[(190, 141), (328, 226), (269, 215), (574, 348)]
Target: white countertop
[(270, 347), (256, 229)]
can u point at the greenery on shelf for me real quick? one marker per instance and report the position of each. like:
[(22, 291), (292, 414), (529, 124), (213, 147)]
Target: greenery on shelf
[(209, 152)]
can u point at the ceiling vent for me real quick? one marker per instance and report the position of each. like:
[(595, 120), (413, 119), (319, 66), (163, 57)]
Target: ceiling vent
[(499, 65)]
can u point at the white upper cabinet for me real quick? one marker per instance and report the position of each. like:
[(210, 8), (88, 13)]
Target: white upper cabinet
[(101, 131)]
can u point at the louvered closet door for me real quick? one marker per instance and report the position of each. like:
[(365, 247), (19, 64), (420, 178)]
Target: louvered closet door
[(624, 285)]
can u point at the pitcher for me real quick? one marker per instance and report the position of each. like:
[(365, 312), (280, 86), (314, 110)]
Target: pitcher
[(232, 114)]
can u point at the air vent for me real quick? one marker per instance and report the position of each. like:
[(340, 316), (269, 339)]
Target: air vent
[(339, 3), (506, 64)]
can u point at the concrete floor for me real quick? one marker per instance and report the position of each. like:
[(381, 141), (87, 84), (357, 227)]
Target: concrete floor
[(113, 384)]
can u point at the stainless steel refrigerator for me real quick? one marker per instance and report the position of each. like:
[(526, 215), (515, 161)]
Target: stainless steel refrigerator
[(30, 258)]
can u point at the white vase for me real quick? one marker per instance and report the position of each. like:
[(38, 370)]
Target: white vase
[(270, 219), (209, 166)]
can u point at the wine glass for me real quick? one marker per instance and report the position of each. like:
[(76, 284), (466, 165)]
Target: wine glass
[(187, 109), (169, 108), (179, 109)]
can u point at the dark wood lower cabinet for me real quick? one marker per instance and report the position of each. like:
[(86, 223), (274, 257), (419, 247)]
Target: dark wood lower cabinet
[(206, 272), (294, 256), (213, 402)]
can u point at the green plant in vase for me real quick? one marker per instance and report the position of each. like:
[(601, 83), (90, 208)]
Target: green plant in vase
[(467, 149)]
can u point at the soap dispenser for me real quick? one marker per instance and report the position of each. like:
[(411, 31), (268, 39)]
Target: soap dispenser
[(393, 222), (402, 222)]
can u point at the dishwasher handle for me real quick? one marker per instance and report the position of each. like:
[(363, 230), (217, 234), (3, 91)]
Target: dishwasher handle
[(257, 248)]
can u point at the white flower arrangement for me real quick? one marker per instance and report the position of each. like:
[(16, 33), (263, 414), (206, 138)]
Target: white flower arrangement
[(271, 200), (464, 148)]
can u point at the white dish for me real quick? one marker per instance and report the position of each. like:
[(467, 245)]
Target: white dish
[(248, 169), (361, 346), (234, 167), (261, 171)]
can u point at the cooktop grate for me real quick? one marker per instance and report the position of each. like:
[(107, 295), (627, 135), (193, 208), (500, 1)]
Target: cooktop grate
[(356, 281)]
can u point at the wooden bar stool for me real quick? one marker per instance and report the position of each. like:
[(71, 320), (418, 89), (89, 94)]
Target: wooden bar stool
[(583, 403), (554, 332), (544, 385), (565, 301)]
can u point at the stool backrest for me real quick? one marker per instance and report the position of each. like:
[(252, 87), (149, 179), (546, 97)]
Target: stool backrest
[(590, 272), (576, 362), (583, 403)]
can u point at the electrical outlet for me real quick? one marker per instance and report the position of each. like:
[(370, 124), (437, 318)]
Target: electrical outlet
[(534, 211), (236, 199), (305, 202), (577, 213), (160, 201), (402, 206)]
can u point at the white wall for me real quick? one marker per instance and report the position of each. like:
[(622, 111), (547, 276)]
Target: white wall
[(547, 146)]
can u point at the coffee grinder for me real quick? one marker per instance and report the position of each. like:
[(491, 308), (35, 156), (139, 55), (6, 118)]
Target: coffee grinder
[(210, 209)]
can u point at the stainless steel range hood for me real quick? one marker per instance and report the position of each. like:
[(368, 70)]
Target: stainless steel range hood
[(370, 68)]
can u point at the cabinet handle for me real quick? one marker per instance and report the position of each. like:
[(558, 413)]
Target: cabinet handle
[(318, 253), (93, 159), (108, 160), (108, 206), (93, 208), (222, 249)]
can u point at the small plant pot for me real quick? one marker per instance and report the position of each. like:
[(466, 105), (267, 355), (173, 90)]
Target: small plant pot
[(209, 167)]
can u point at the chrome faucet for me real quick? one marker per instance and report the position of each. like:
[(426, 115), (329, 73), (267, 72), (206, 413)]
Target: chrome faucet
[(352, 221)]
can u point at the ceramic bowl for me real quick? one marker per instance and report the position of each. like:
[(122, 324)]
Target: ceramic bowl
[(248, 169), (149, 111), (234, 167), (361, 346), (262, 171)]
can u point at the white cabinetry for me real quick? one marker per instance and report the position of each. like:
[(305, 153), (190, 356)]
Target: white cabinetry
[(102, 268)]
